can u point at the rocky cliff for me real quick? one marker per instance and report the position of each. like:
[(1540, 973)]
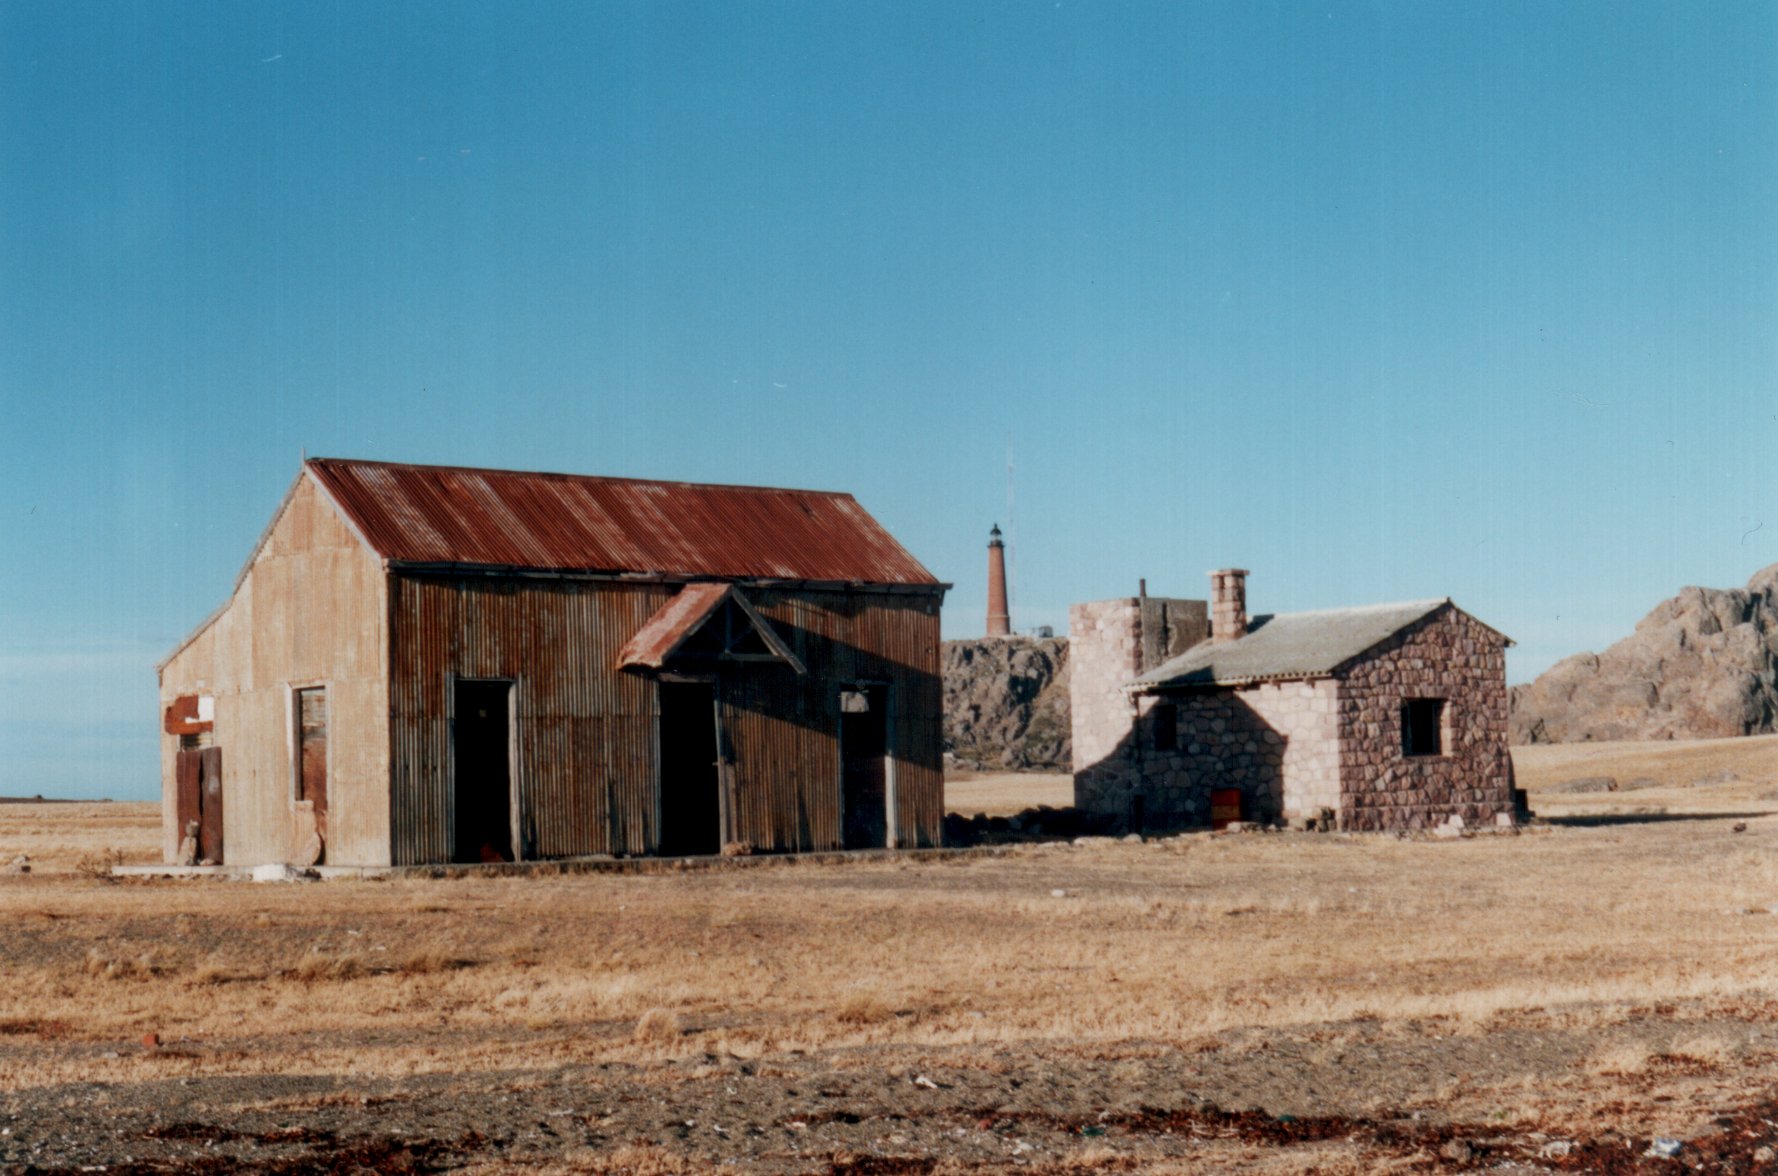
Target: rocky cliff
[(1006, 703), (1701, 665)]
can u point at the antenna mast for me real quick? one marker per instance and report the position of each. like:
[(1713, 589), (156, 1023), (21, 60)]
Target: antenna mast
[(1012, 542)]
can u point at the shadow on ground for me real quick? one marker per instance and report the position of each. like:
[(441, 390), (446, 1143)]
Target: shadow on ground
[(1042, 823), (1596, 820)]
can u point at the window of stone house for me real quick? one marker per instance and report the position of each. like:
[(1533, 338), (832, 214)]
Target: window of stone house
[(1166, 726), (1422, 726)]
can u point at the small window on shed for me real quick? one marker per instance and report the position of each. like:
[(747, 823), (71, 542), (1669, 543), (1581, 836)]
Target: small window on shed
[(1166, 726), (1422, 726)]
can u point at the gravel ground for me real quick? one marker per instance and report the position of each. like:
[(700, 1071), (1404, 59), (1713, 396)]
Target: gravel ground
[(1354, 1095)]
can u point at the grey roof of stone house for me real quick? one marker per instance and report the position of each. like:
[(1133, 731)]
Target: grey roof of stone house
[(1291, 645)]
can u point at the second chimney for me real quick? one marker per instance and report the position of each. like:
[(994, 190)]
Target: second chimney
[(1228, 604)]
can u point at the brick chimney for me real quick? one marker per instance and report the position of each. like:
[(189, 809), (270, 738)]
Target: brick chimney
[(1228, 604), (999, 621)]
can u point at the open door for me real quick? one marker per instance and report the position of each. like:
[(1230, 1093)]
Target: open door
[(210, 823), (198, 778), (481, 791), (690, 780), (864, 766), (311, 766)]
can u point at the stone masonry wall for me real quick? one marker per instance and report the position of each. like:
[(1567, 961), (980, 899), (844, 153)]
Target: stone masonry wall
[(1304, 716), (1111, 642), (1446, 656), (1277, 742), (1104, 652)]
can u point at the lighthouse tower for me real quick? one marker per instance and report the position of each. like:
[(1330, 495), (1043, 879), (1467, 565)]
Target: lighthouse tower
[(999, 621)]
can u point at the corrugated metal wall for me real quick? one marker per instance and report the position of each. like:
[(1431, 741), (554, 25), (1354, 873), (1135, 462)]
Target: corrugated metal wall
[(309, 611), (586, 732), (785, 727)]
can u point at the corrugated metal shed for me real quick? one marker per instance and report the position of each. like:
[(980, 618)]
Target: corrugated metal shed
[(437, 515), (1291, 645), (420, 598)]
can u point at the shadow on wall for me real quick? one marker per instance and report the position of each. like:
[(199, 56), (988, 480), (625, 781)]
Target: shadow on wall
[(1179, 749), (811, 701), (808, 774)]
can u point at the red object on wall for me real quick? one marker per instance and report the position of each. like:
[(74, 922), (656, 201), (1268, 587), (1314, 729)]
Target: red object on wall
[(181, 717), (1225, 807)]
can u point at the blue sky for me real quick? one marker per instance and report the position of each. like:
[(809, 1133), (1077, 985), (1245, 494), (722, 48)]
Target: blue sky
[(1380, 301)]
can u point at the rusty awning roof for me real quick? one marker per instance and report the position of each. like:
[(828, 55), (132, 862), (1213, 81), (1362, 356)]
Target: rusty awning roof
[(447, 516), (675, 621)]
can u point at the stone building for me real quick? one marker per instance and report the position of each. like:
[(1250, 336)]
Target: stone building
[(1388, 716)]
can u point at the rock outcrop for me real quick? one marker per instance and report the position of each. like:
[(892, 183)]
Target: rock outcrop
[(1006, 703), (1700, 666)]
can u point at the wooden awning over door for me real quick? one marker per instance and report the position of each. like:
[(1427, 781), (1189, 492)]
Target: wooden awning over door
[(709, 621)]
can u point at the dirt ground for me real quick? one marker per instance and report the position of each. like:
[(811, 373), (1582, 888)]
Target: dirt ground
[(1002, 794), (1585, 996)]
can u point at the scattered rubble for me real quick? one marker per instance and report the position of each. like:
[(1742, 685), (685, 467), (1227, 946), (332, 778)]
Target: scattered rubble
[(277, 872), (1583, 784)]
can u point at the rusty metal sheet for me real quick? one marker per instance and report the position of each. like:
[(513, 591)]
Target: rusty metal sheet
[(188, 796), (655, 641), (586, 735), (565, 522), (311, 784), (669, 629), (584, 730), (210, 804), (185, 715)]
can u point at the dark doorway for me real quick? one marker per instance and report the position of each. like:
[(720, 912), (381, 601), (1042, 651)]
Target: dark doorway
[(691, 784), (864, 767), (482, 792), (198, 775)]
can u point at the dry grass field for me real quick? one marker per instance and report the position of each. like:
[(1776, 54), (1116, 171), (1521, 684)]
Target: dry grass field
[(1553, 1000), (1001, 794), (1699, 775)]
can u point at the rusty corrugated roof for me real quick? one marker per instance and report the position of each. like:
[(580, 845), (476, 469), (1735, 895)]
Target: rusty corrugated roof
[(568, 522)]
